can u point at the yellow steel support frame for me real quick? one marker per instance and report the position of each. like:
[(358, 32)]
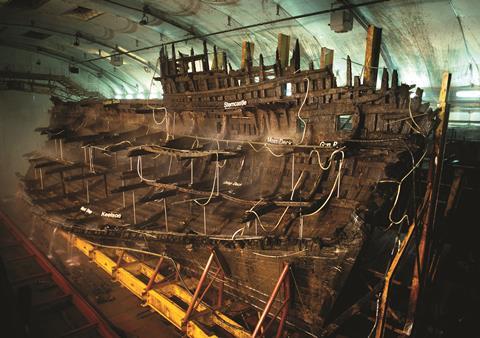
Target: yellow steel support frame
[(158, 298)]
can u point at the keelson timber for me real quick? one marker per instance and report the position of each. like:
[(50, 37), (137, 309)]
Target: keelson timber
[(280, 171)]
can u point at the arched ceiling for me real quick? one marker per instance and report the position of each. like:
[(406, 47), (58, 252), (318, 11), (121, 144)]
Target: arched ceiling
[(421, 38)]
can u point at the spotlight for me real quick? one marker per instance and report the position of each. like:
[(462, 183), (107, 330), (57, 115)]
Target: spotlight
[(74, 69), (144, 20), (76, 42)]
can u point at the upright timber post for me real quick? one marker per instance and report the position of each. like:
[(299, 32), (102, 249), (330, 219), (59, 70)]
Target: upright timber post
[(392, 269), (221, 60), (215, 59), (372, 55), (205, 57), (283, 47), (247, 53), (349, 71), (419, 278), (326, 58)]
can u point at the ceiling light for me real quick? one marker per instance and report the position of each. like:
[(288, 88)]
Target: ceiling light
[(76, 42), (73, 69), (468, 94), (116, 59), (144, 20)]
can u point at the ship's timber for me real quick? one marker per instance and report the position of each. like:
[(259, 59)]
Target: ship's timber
[(268, 164)]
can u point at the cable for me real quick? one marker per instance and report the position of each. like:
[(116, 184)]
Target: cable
[(418, 129), (139, 161), (164, 116), (271, 152), (215, 178), (329, 160), (236, 232), (399, 186), (150, 93), (300, 109), (261, 224), (376, 315), (303, 146), (90, 155), (283, 214), (324, 167), (107, 148), (204, 36), (296, 253), (335, 184), (264, 145), (406, 118)]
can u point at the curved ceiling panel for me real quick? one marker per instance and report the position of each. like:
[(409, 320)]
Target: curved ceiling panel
[(421, 38)]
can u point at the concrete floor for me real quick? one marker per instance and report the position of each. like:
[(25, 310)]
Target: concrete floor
[(121, 308)]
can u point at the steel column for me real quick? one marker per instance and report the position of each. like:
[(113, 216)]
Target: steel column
[(154, 275), (197, 290)]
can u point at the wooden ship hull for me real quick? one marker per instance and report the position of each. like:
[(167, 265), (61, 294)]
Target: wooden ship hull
[(266, 165)]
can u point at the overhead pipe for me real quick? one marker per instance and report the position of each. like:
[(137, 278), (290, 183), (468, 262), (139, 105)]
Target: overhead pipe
[(204, 36)]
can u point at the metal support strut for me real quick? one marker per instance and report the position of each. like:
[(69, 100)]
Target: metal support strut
[(154, 275), (196, 299), (283, 281)]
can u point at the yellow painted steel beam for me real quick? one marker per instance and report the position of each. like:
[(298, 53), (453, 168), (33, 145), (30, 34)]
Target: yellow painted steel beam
[(103, 261), (158, 298)]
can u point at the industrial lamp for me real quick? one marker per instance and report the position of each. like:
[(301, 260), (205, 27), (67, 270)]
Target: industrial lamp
[(144, 20)]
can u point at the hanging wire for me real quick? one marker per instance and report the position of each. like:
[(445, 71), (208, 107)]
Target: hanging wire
[(300, 109), (397, 195)]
